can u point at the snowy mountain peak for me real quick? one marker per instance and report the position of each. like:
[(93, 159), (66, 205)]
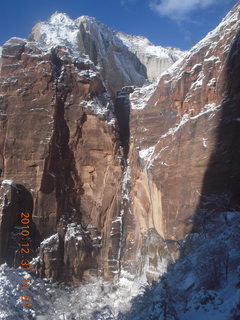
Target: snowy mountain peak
[(87, 19), (133, 59), (61, 19)]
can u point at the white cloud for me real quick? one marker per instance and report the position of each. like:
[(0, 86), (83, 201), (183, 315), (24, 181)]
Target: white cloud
[(179, 9)]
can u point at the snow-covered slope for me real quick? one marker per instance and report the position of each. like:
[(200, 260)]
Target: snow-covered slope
[(156, 58), (123, 59), (94, 301), (204, 283)]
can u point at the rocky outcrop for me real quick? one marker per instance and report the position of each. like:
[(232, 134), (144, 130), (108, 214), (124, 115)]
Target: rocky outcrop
[(119, 59), (156, 59)]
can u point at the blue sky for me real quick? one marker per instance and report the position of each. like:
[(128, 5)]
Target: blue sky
[(177, 23)]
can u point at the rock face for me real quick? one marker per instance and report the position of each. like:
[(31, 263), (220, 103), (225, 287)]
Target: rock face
[(156, 59), (57, 141), (120, 60), (112, 185), (183, 153)]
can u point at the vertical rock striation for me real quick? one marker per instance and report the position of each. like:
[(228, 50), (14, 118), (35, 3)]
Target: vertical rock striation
[(59, 141)]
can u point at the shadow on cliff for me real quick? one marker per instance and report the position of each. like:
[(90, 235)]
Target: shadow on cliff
[(18, 205), (221, 184), (122, 111), (209, 256)]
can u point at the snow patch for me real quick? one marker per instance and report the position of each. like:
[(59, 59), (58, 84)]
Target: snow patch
[(204, 142), (199, 82), (146, 154), (74, 232), (140, 96), (186, 118), (101, 106), (50, 244), (9, 182)]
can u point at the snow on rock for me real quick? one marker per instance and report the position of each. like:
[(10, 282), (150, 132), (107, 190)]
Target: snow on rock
[(123, 59), (101, 106), (204, 283), (61, 19), (212, 82), (9, 182), (146, 154), (187, 117), (140, 96), (11, 293), (199, 82), (74, 232), (94, 301), (88, 74), (204, 142), (87, 37), (155, 58), (212, 40), (59, 30), (50, 244), (149, 155), (5, 191)]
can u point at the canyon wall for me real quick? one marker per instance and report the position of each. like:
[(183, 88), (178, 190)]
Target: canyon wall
[(111, 176), (183, 153), (59, 142)]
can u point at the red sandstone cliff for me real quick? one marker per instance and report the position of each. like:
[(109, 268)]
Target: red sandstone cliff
[(58, 143), (103, 208), (180, 153)]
